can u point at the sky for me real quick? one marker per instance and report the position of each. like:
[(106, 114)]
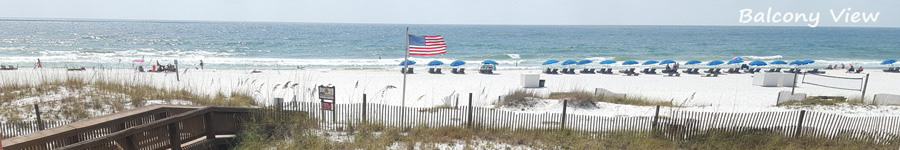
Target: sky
[(513, 12)]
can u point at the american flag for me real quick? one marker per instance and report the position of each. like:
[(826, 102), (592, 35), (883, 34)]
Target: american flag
[(427, 45)]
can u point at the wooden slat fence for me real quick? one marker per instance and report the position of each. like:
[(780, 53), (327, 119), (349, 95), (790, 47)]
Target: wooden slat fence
[(13, 129), (675, 124)]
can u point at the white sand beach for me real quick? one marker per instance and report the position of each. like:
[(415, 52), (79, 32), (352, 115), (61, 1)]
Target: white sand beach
[(726, 93)]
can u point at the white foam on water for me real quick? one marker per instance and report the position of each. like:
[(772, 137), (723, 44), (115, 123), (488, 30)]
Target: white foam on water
[(763, 57), (514, 56)]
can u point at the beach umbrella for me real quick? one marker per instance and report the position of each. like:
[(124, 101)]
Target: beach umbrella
[(808, 61), (410, 62), (778, 62), (650, 62), (692, 62), (550, 62), (630, 62), (738, 58), (667, 61), (757, 63), (582, 62), (435, 63), (490, 62), (798, 62), (457, 63), (608, 62), (889, 61), (715, 62), (138, 60), (735, 61), (569, 62)]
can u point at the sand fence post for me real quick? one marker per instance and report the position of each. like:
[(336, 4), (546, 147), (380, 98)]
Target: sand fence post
[(865, 85), (364, 108), (800, 124), (37, 114), (563, 124), (656, 118), (469, 122)]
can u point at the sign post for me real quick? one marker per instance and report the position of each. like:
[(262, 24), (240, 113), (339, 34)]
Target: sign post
[(326, 97)]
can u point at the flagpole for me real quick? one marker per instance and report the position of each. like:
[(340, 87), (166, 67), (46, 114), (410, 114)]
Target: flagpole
[(405, 68)]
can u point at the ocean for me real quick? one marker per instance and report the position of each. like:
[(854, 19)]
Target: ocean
[(268, 45)]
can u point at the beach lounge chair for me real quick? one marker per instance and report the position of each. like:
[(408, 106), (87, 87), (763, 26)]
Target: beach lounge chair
[(547, 71), (652, 71), (892, 69), (815, 71), (605, 71), (438, 71), (460, 71), (630, 72), (570, 71), (555, 71), (453, 70), (696, 71), (710, 70), (770, 70), (790, 71), (587, 71), (645, 70), (410, 71), (431, 70)]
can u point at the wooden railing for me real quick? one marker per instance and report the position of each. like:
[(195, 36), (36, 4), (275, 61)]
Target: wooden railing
[(142, 128)]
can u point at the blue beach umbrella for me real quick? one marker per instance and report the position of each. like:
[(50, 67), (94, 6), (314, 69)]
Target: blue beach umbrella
[(650, 62), (607, 62), (809, 61), (757, 63), (692, 62), (735, 61), (798, 62), (410, 62), (889, 61), (435, 63), (778, 62), (630, 62), (715, 62), (582, 62), (457, 63), (550, 62), (667, 61), (490, 62), (569, 62)]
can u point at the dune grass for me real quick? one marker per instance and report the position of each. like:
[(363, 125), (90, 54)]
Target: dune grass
[(584, 98), (83, 98), (305, 135)]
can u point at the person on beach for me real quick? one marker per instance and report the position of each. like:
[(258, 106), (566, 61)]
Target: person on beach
[(201, 64), (860, 69), (675, 67), (842, 66), (851, 69), (39, 64)]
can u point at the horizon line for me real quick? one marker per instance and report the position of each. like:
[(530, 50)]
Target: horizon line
[(386, 23)]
